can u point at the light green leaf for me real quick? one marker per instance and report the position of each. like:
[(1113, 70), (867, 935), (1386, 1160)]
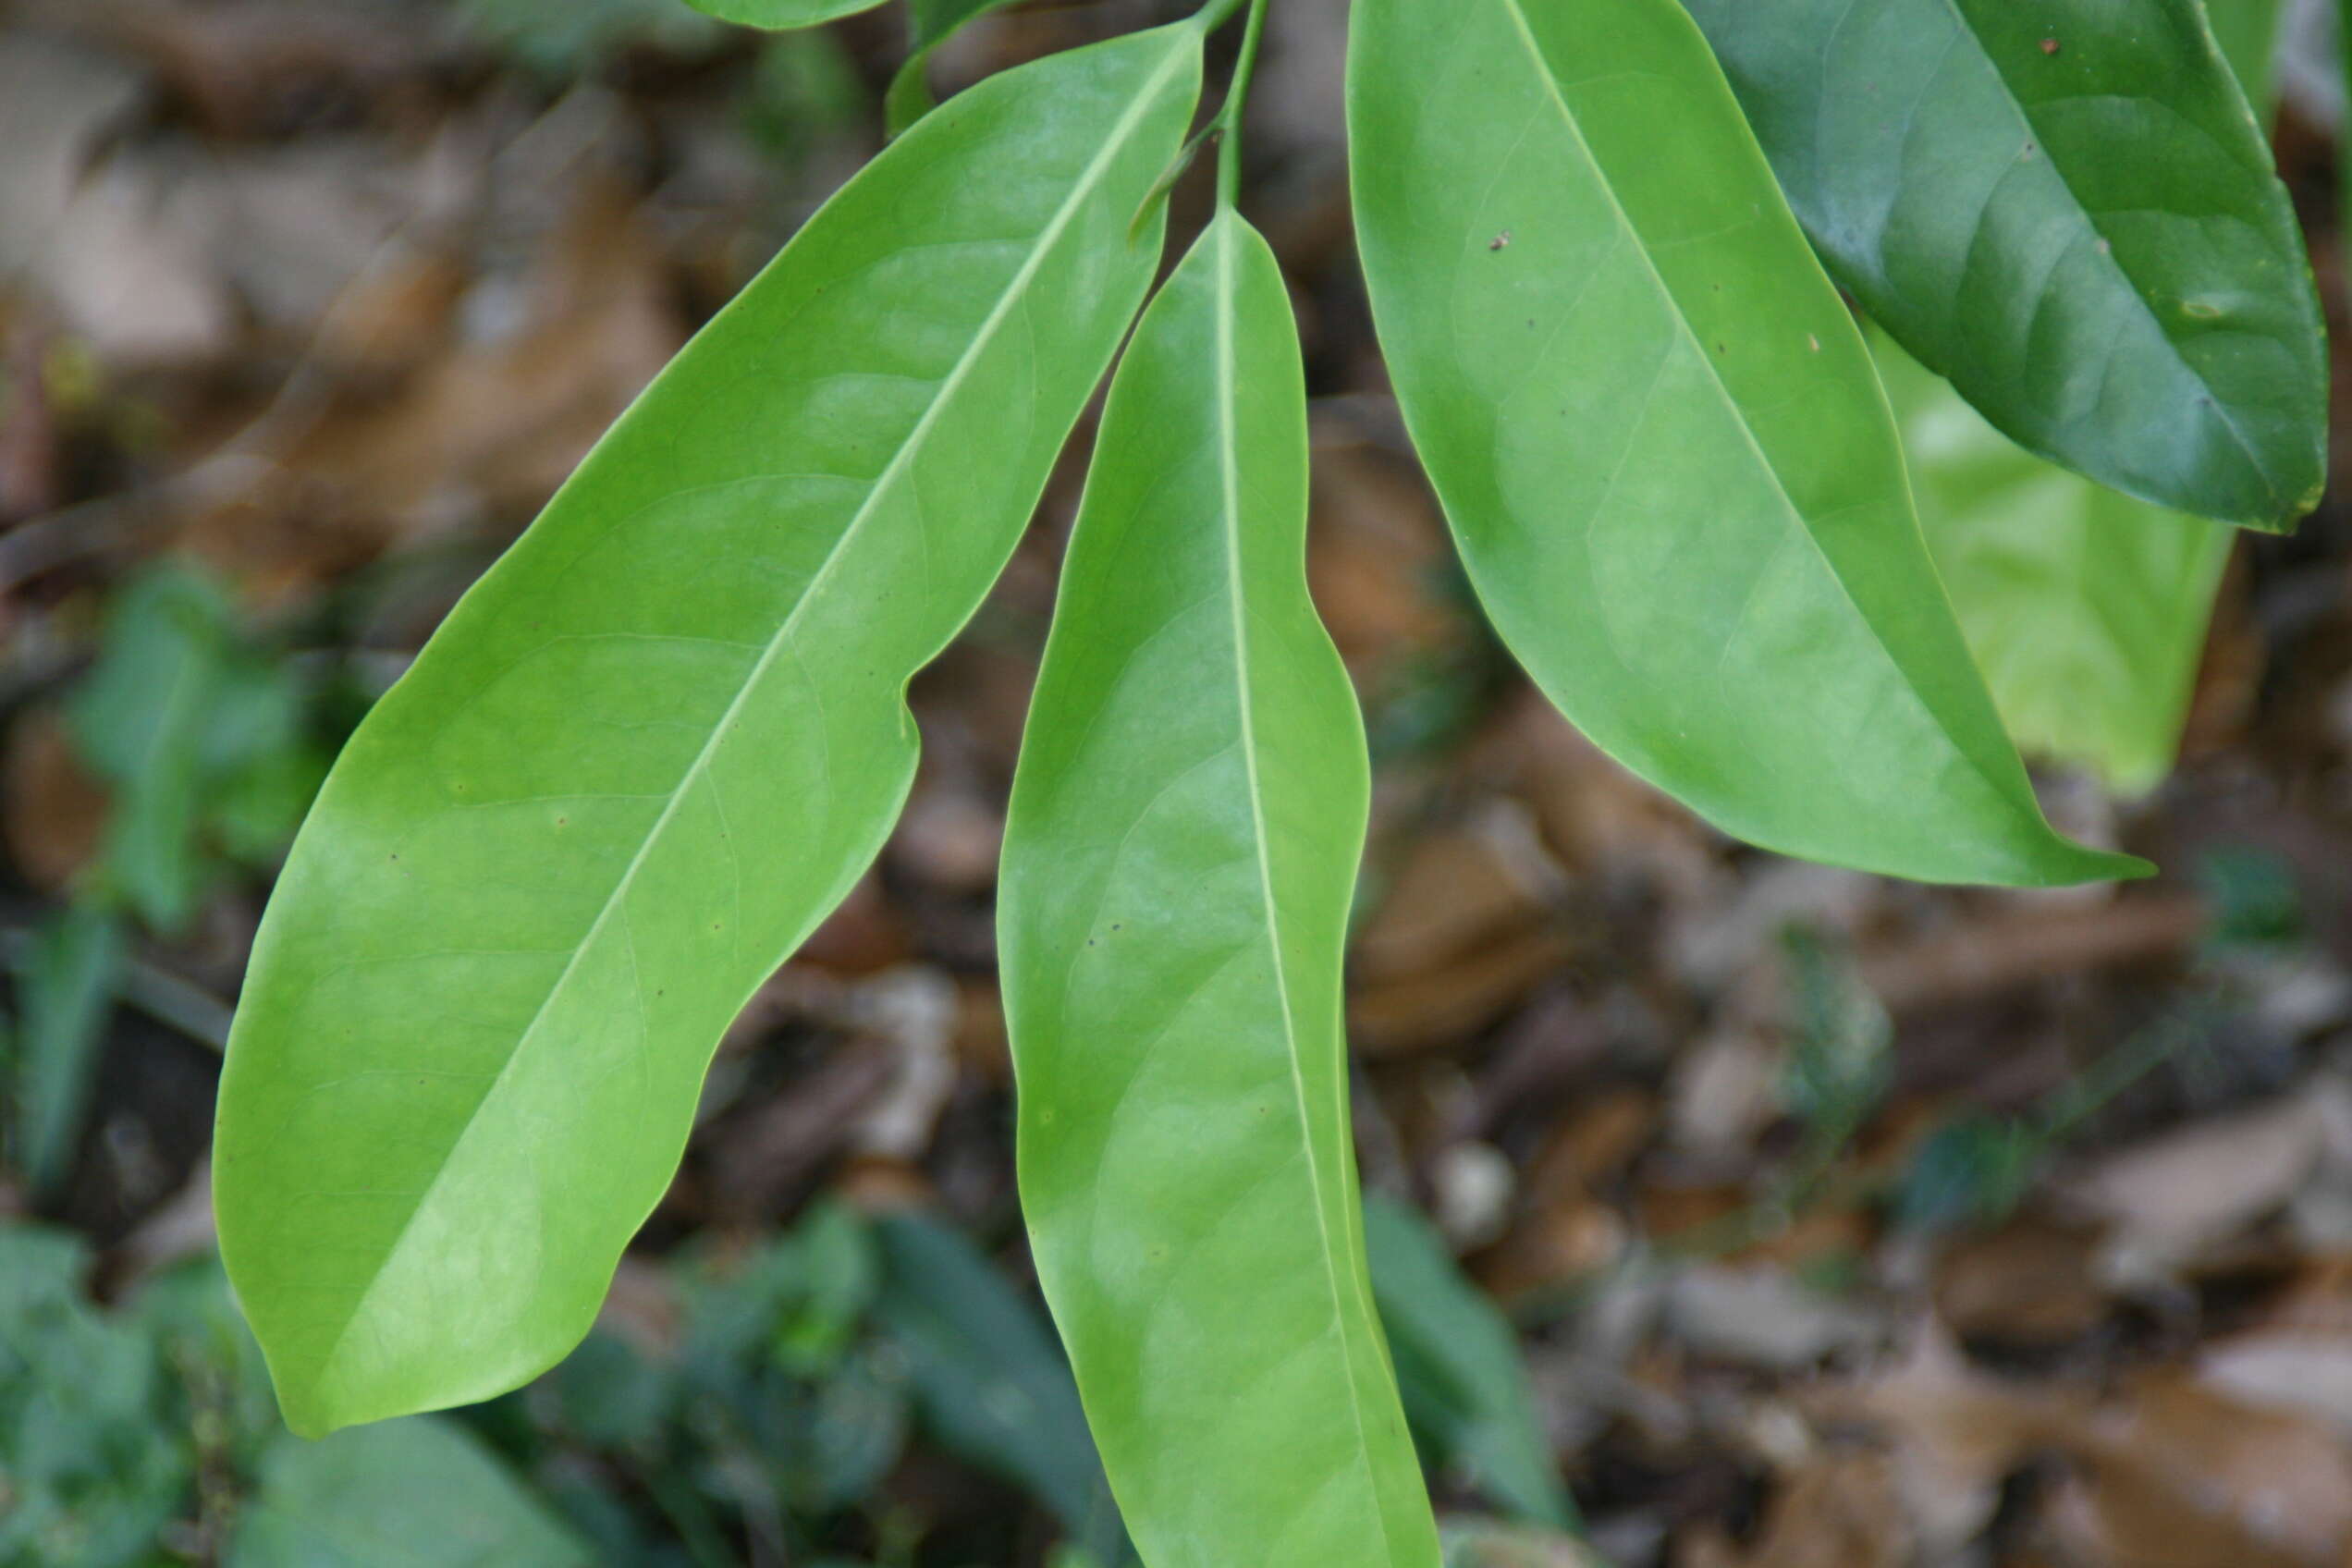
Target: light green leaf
[(1183, 839), (2068, 210), (990, 1383), (410, 1494), (1458, 1364), (655, 745), (929, 24), (2086, 609), (778, 16), (1659, 440)]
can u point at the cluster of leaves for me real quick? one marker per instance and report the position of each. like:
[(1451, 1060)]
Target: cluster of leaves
[(802, 1372), (664, 735)]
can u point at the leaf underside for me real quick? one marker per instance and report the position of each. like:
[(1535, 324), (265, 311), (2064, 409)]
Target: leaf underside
[(2067, 209), (1659, 440), (778, 16), (2086, 608), (1179, 861), (655, 745)]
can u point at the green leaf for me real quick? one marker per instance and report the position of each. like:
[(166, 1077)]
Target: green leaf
[(1458, 1365), (2248, 32), (929, 24), (143, 720), (1184, 832), (202, 740), (778, 16), (2086, 609), (655, 745), (410, 1494), (2068, 210), (1660, 441), (579, 37), (65, 993), (987, 1379)]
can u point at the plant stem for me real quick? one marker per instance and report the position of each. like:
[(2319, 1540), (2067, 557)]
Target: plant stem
[(1229, 118)]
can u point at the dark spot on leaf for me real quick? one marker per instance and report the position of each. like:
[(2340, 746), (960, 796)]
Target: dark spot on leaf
[(2050, 46)]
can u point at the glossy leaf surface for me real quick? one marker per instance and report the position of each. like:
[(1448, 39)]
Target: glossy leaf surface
[(655, 745), (1183, 844), (2068, 210), (1660, 441), (780, 14)]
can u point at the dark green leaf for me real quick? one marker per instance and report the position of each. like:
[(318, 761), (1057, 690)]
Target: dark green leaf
[(655, 745), (2067, 209), (1186, 827), (575, 37), (987, 1379), (88, 1475), (143, 720), (780, 14), (929, 24), (1459, 1368), (1660, 441), (65, 992), (408, 1494)]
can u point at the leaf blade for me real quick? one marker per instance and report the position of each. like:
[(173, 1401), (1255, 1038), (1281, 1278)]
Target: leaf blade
[(538, 885), (782, 16), (1183, 836), (1660, 442), (2020, 194)]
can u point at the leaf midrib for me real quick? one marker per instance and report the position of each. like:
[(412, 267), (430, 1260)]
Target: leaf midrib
[(884, 482), (1229, 462)]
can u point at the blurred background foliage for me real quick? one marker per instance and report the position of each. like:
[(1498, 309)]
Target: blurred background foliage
[(1725, 1212)]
